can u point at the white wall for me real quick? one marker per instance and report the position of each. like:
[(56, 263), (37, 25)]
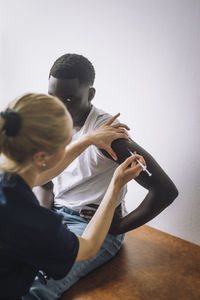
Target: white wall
[(146, 55)]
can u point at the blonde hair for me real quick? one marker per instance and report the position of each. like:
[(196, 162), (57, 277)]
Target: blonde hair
[(45, 125)]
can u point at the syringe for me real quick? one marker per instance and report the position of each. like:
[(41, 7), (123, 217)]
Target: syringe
[(143, 166)]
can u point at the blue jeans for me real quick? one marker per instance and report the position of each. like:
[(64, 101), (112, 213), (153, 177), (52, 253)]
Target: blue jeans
[(55, 288)]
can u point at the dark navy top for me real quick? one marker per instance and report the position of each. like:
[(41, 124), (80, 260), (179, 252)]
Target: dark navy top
[(32, 238)]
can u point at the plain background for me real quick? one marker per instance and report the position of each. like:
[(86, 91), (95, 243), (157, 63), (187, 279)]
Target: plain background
[(146, 55)]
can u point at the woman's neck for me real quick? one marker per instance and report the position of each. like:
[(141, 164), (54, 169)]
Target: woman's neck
[(29, 176)]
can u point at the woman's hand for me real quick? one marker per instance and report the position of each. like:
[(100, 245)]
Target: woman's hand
[(128, 170), (107, 133)]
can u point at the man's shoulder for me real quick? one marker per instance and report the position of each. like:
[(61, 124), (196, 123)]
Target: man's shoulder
[(101, 116)]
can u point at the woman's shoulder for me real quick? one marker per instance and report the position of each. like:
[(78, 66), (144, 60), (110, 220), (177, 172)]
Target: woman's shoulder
[(14, 190), (20, 211)]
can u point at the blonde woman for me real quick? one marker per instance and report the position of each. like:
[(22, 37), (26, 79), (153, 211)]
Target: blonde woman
[(34, 133)]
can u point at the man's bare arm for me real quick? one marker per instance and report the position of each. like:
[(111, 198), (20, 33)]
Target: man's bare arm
[(161, 189)]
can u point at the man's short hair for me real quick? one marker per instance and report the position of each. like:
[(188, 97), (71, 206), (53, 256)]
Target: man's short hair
[(70, 66)]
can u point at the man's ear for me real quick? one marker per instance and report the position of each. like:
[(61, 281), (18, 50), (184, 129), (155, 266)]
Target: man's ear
[(39, 158), (91, 95)]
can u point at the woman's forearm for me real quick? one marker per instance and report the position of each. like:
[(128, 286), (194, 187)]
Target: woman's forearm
[(71, 153), (97, 229), (101, 137)]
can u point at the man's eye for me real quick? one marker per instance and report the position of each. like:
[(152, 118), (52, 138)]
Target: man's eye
[(68, 101), (71, 100)]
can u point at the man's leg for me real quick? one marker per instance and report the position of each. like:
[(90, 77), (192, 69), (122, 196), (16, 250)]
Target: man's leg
[(55, 288)]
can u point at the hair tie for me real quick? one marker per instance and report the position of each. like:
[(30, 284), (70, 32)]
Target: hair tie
[(12, 123)]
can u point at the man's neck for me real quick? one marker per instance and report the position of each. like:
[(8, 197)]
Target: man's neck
[(83, 119)]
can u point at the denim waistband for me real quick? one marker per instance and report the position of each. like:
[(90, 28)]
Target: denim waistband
[(67, 210)]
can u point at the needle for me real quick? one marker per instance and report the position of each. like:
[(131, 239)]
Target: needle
[(143, 166)]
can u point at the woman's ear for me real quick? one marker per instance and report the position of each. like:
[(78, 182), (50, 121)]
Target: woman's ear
[(92, 92), (39, 158)]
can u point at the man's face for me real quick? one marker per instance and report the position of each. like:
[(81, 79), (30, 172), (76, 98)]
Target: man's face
[(76, 97)]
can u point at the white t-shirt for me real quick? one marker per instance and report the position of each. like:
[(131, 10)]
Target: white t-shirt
[(87, 178)]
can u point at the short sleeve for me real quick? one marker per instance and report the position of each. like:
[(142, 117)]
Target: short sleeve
[(102, 119)]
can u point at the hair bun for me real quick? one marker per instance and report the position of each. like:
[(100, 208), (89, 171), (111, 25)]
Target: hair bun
[(12, 123)]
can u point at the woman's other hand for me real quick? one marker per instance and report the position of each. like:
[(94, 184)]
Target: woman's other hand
[(107, 133)]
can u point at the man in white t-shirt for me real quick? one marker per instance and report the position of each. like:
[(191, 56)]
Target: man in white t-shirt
[(80, 188)]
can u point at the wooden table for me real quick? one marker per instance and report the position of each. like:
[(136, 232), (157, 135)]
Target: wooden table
[(151, 265)]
